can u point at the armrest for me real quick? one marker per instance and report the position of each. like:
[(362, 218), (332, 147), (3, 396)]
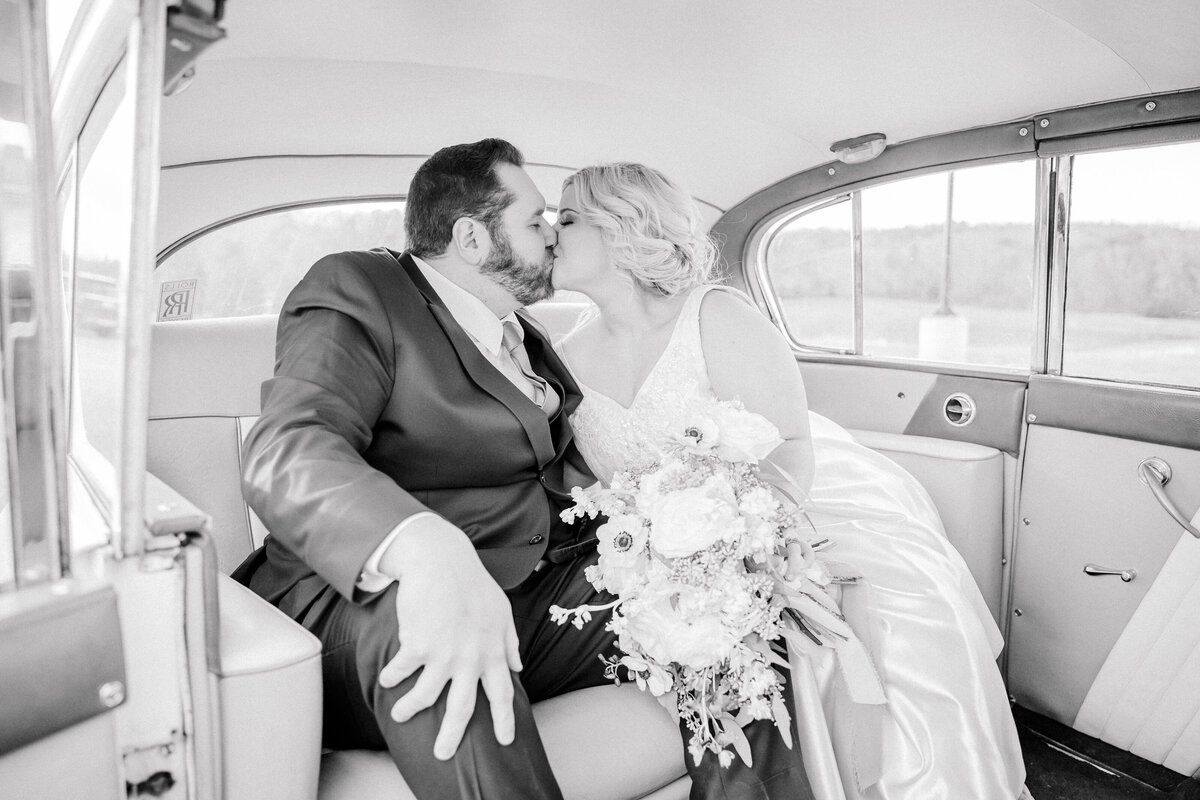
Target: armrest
[(269, 685), (256, 637)]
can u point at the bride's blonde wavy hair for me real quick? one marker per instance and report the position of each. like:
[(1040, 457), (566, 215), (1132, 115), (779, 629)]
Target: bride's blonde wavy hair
[(652, 228)]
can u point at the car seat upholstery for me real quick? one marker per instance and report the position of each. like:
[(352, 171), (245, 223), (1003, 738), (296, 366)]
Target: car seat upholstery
[(607, 743), (204, 398)]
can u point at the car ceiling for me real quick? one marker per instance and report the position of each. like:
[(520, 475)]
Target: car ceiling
[(727, 97)]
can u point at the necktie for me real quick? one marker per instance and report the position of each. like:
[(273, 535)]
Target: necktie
[(513, 343)]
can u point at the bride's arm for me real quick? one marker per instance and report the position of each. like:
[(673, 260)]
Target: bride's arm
[(749, 360)]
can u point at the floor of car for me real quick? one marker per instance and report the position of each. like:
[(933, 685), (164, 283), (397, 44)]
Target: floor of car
[(1064, 764)]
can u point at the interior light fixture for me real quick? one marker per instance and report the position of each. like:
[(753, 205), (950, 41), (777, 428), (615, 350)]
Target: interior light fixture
[(859, 149)]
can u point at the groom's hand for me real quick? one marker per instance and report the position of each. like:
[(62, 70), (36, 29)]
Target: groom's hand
[(455, 625)]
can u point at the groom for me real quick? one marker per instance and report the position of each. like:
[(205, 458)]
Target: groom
[(410, 462)]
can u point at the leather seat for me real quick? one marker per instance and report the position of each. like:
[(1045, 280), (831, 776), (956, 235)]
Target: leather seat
[(606, 743)]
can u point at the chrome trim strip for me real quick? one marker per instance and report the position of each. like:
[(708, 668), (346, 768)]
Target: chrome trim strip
[(170, 249), (1042, 258), (51, 309), (147, 44), (36, 409), (1056, 306), (857, 259)]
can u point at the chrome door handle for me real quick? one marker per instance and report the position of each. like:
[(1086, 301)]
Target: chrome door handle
[(1126, 574), (1154, 472)]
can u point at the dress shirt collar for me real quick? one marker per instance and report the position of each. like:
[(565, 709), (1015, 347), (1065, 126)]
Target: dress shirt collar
[(480, 323)]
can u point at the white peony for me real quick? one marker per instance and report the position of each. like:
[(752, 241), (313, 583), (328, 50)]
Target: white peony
[(666, 635), (743, 435), (690, 520)]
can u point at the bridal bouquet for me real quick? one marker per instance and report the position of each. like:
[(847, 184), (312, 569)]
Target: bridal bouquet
[(716, 579)]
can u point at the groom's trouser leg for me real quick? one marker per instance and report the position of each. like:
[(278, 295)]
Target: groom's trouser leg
[(359, 640)]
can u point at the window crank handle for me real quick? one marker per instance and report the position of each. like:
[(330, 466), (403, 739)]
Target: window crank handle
[(1127, 575)]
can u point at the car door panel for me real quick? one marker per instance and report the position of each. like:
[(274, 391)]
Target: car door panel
[(63, 672), (913, 402), (968, 469), (1110, 656)]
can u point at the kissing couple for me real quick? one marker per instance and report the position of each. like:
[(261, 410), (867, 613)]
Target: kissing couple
[(422, 435)]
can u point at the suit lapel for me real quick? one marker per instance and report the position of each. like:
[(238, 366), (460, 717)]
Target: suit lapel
[(483, 373)]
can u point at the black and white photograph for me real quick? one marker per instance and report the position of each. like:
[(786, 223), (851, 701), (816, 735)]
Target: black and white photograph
[(600, 400)]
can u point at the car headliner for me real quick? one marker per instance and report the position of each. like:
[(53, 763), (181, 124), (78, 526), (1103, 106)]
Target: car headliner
[(727, 97)]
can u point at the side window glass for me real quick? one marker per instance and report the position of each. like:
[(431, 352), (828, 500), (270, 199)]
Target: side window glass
[(248, 267), (16, 255), (103, 213), (811, 268), (942, 271), (947, 266), (1133, 266)]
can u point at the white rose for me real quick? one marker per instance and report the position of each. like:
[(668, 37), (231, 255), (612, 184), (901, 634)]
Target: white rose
[(690, 520), (744, 435), (667, 636)]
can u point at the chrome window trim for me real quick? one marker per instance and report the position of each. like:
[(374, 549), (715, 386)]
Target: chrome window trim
[(1041, 265), (34, 406), (98, 40), (856, 258), (1058, 227), (147, 43), (184, 241), (51, 310)]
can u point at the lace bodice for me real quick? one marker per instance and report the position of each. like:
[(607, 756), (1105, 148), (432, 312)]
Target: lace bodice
[(613, 438)]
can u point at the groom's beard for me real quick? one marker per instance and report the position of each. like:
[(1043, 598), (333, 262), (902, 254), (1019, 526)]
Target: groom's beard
[(525, 280)]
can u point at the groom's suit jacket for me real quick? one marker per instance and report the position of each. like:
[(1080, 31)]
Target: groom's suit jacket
[(381, 407)]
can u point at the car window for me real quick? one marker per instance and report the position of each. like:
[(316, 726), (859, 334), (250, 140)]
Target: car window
[(935, 267), (103, 213), (248, 266), (1133, 266)]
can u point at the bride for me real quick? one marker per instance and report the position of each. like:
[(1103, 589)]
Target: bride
[(661, 339)]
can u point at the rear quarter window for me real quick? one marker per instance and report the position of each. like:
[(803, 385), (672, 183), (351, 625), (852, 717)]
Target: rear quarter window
[(248, 266)]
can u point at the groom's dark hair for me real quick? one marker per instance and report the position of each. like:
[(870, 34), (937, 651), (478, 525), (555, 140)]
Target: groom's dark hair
[(457, 181)]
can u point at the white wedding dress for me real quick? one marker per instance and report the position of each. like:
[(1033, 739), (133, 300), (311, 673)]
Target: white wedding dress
[(947, 730)]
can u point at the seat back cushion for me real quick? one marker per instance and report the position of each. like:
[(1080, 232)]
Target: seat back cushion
[(204, 396)]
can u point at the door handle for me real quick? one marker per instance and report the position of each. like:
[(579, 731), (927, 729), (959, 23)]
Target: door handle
[(1154, 472), (1127, 575)]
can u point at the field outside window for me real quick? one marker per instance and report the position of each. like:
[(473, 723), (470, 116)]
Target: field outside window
[(946, 269), (248, 267), (1133, 266)]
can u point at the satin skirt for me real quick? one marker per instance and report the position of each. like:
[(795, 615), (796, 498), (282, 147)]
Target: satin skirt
[(946, 731)]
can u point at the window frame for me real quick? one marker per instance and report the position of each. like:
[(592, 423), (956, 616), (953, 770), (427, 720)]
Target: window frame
[(1052, 139), (297, 205), (761, 286)]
